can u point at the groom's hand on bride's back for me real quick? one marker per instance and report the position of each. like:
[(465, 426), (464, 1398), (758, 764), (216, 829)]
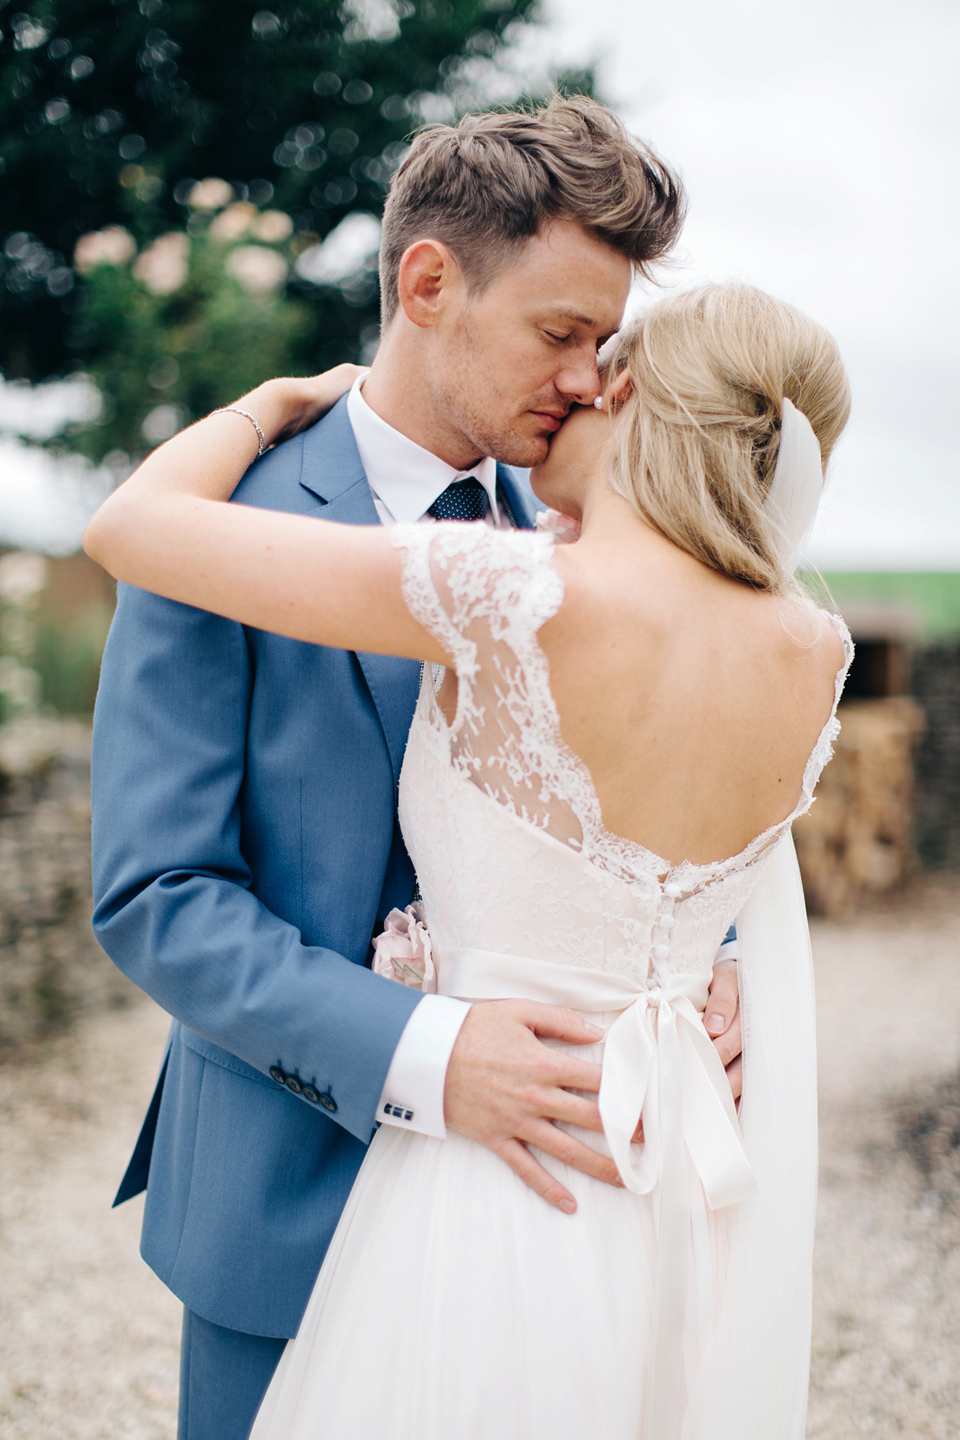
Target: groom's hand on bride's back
[(721, 1020), (505, 1088)]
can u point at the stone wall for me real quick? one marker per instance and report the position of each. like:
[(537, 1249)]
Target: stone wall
[(51, 968), (936, 684)]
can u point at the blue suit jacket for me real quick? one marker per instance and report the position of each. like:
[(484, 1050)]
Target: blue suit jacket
[(246, 847)]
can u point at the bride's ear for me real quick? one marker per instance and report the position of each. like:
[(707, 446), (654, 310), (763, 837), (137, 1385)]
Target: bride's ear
[(618, 391)]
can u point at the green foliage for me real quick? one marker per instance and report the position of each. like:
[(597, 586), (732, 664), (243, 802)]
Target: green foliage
[(110, 110), (932, 597)]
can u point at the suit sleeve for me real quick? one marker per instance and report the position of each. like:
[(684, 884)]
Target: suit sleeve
[(174, 908), (729, 949)]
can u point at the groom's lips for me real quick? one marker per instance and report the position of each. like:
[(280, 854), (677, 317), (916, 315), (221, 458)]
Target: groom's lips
[(550, 419)]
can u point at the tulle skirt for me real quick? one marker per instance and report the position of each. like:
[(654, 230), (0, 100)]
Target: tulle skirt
[(455, 1304)]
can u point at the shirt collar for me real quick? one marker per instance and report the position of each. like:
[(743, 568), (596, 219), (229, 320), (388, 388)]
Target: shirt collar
[(405, 477)]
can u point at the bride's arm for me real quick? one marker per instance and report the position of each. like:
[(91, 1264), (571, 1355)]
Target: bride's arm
[(168, 529)]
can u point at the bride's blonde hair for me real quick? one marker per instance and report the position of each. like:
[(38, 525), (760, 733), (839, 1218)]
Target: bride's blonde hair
[(698, 436)]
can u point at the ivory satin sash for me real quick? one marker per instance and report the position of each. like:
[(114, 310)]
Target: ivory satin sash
[(659, 1066)]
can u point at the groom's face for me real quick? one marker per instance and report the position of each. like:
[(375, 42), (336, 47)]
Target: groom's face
[(514, 358)]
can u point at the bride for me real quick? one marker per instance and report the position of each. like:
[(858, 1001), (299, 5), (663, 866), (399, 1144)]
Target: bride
[(612, 740)]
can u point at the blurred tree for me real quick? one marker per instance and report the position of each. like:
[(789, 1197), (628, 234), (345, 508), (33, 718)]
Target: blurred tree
[(111, 111), (195, 319)]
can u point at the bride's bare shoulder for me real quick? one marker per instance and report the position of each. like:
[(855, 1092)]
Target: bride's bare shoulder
[(661, 599), (810, 635)]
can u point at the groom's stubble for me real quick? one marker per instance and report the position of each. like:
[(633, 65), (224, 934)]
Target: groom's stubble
[(489, 413)]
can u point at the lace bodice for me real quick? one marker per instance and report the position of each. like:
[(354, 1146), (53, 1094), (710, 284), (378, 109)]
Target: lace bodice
[(502, 819)]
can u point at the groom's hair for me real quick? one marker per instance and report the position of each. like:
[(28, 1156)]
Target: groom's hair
[(487, 185)]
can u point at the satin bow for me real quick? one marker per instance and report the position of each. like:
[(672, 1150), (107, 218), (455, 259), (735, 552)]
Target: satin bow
[(659, 1065)]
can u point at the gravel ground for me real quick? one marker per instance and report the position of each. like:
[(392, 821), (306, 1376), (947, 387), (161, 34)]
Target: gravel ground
[(89, 1336), (886, 1358)]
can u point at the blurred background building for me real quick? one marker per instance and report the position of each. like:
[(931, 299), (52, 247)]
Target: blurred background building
[(189, 203)]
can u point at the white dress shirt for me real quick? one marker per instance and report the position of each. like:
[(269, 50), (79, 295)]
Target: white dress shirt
[(405, 480)]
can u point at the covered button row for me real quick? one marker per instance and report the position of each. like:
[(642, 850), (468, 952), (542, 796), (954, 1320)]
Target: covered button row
[(666, 921), (300, 1087)]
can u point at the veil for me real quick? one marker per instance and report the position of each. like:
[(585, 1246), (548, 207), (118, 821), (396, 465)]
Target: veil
[(754, 1380), (753, 1383), (797, 485)]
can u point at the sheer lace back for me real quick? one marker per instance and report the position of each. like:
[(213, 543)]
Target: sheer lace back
[(485, 594)]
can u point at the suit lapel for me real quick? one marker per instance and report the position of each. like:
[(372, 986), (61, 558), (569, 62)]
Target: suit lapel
[(331, 472), (515, 494), (394, 685)]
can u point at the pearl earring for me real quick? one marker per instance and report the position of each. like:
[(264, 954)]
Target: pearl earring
[(598, 403)]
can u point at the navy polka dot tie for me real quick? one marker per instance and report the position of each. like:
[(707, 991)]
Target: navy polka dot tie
[(463, 500)]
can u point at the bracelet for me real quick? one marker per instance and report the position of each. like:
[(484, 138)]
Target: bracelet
[(235, 410)]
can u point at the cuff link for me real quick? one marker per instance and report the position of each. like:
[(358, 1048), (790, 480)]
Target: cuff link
[(398, 1112)]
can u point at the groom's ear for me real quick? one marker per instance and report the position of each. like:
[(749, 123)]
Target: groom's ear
[(428, 279)]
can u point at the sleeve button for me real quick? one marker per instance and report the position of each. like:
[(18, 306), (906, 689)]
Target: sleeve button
[(293, 1085), (328, 1102), (277, 1074), (310, 1094)]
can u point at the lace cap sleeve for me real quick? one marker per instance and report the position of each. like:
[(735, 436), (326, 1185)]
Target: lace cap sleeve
[(477, 589)]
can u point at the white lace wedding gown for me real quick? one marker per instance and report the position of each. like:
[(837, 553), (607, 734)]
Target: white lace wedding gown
[(454, 1304)]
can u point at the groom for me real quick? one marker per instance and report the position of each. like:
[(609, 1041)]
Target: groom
[(246, 845)]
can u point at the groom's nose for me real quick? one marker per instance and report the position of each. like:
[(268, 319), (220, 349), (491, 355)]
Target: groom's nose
[(578, 380)]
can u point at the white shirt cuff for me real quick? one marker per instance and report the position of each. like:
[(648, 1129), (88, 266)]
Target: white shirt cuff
[(412, 1095), (728, 951)]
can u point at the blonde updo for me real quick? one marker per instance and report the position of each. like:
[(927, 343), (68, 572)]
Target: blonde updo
[(697, 439)]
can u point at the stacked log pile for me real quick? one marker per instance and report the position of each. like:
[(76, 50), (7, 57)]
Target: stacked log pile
[(51, 968), (858, 837)]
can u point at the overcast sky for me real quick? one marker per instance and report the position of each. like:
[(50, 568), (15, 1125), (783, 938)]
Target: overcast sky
[(820, 145)]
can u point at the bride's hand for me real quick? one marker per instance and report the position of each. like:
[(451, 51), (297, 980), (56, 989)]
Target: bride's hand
[(286, 406)]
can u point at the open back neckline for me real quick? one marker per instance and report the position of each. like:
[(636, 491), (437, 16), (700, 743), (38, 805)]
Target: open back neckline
[(665, 871), (603, 846)]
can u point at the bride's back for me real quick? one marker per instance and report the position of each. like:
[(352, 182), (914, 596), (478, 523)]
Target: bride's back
[(693, 701)]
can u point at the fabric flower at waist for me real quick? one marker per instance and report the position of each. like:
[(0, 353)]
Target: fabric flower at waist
[(403, 950)]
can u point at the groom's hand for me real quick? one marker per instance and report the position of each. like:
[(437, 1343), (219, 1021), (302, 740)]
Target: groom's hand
[(505, 1089), (721, 1020)]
